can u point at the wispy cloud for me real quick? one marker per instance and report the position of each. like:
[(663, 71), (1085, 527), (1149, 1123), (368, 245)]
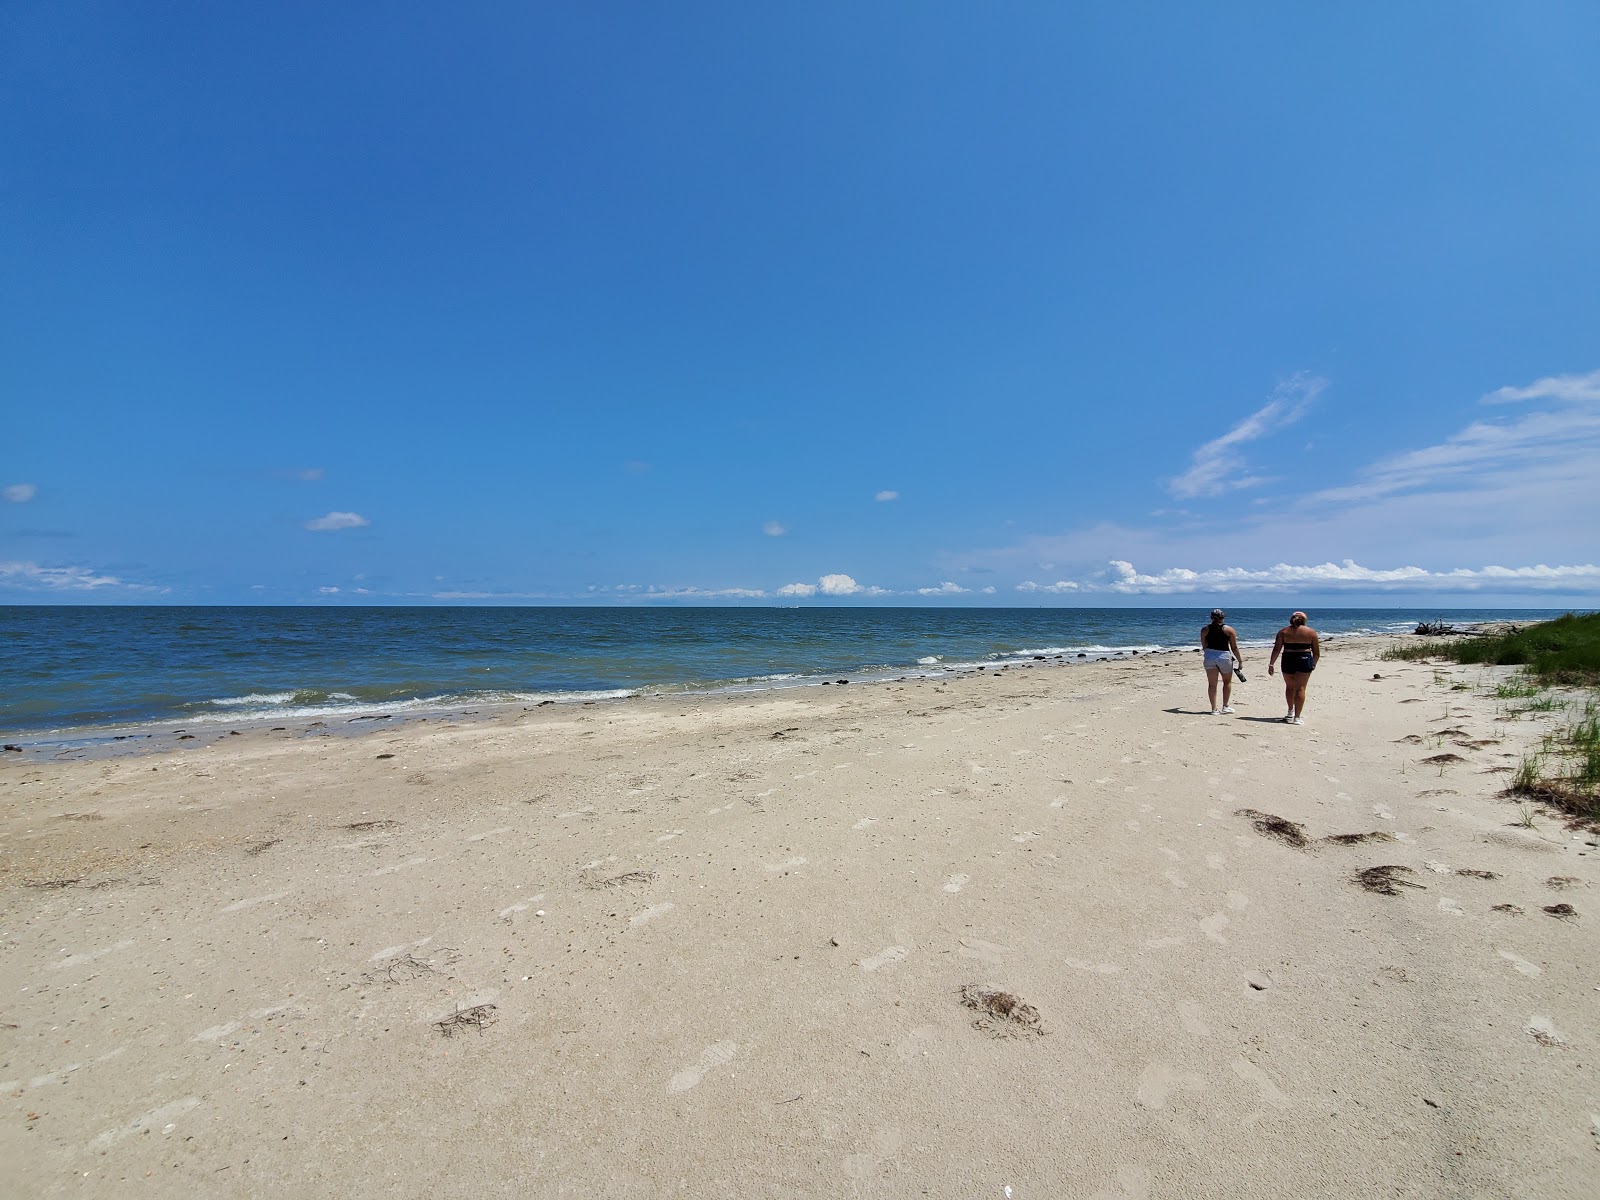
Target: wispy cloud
[(337, 520), (1571, 388), (944, 589), (1220, 466), (309, 474), (774, 529), (1122, 578), (886, 495), (20, 493), (30, 576)]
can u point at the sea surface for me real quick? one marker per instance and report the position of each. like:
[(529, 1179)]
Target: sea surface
[(66, 669)]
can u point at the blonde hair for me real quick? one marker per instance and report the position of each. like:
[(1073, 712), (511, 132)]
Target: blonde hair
[(1298, 618)]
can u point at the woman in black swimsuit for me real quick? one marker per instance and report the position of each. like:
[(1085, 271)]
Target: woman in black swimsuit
[(1300, 647)]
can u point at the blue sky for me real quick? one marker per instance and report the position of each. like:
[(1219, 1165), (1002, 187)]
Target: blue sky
[(782, 303)]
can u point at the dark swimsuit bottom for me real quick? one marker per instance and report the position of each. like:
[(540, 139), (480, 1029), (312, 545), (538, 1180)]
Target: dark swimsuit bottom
[(1298, 660)]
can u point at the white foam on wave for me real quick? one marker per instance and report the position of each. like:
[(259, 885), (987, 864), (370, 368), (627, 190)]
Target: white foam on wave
[(931, 660), (253, 700)]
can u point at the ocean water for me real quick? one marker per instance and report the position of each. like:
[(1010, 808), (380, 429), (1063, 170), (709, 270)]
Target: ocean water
[(71, 668)]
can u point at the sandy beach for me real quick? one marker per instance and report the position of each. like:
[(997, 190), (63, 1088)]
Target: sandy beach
[(731, 946)]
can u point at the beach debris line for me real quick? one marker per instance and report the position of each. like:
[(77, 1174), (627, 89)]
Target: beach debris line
[(368, 826), (1385, 880), (479, 1017), (262, 846), (1291, 833), (1354, 839), (592, 880), (1001, 1014)]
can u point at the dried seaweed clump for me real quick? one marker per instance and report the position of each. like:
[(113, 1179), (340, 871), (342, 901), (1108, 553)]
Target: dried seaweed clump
[(479, 1017), (1511, 910), (1288, 832), (1352, 839), (1443, 760), (1474, 873), (1001, 1014), (1565, 911), (1385, 880), (365, 826)]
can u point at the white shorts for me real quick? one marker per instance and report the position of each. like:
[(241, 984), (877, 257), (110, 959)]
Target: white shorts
[(1222, 660)]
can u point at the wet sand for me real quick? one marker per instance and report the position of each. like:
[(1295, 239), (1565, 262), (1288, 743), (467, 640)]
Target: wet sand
[(718, 948)]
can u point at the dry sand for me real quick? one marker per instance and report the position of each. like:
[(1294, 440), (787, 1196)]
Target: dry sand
[(725, 943)]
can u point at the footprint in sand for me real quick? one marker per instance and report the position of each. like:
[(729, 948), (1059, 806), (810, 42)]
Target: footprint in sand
[(650, 914), (1238, 901), (956, 882), (478, 837), (1175, 879), (1172, 854), (989, 952), (786, 865), (1026, 836), (667, 837), (886, 957), (885, 1151), (1213, 926), (1382, 812), (718, 1054), (916, 1043), (865, 823), (1216, 862), (154, 1119), (1268, 1090), (1083, 964), (1194, 1018), (1544, 1031), (1133, 1183), (1161, 1080), (400, 866), (1521, 964), (512, 910), (975, 768), (1450, 906), (237, 905), (1058, 802)]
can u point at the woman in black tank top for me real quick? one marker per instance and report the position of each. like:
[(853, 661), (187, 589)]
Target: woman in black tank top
[(1220, 647)]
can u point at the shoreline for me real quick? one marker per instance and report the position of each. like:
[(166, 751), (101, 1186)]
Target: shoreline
[(158, 736), (721, 947)]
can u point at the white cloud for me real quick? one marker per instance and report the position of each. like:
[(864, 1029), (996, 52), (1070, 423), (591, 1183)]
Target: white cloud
[(838, 585), (21, 493), (1220, 467), (1122, 578), (1061, 585), (773, 529), (328, 591), (798, 589), (62, 579), (337, 520), (944, 589), (1552, 387), (886, 495)]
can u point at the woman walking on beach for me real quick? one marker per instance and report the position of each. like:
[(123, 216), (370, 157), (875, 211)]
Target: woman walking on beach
[(1301, 648), (1221, 646)]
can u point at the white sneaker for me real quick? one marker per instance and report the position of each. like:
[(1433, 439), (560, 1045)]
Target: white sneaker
[(1298, 721), (1226, 708), (1216, 712)]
